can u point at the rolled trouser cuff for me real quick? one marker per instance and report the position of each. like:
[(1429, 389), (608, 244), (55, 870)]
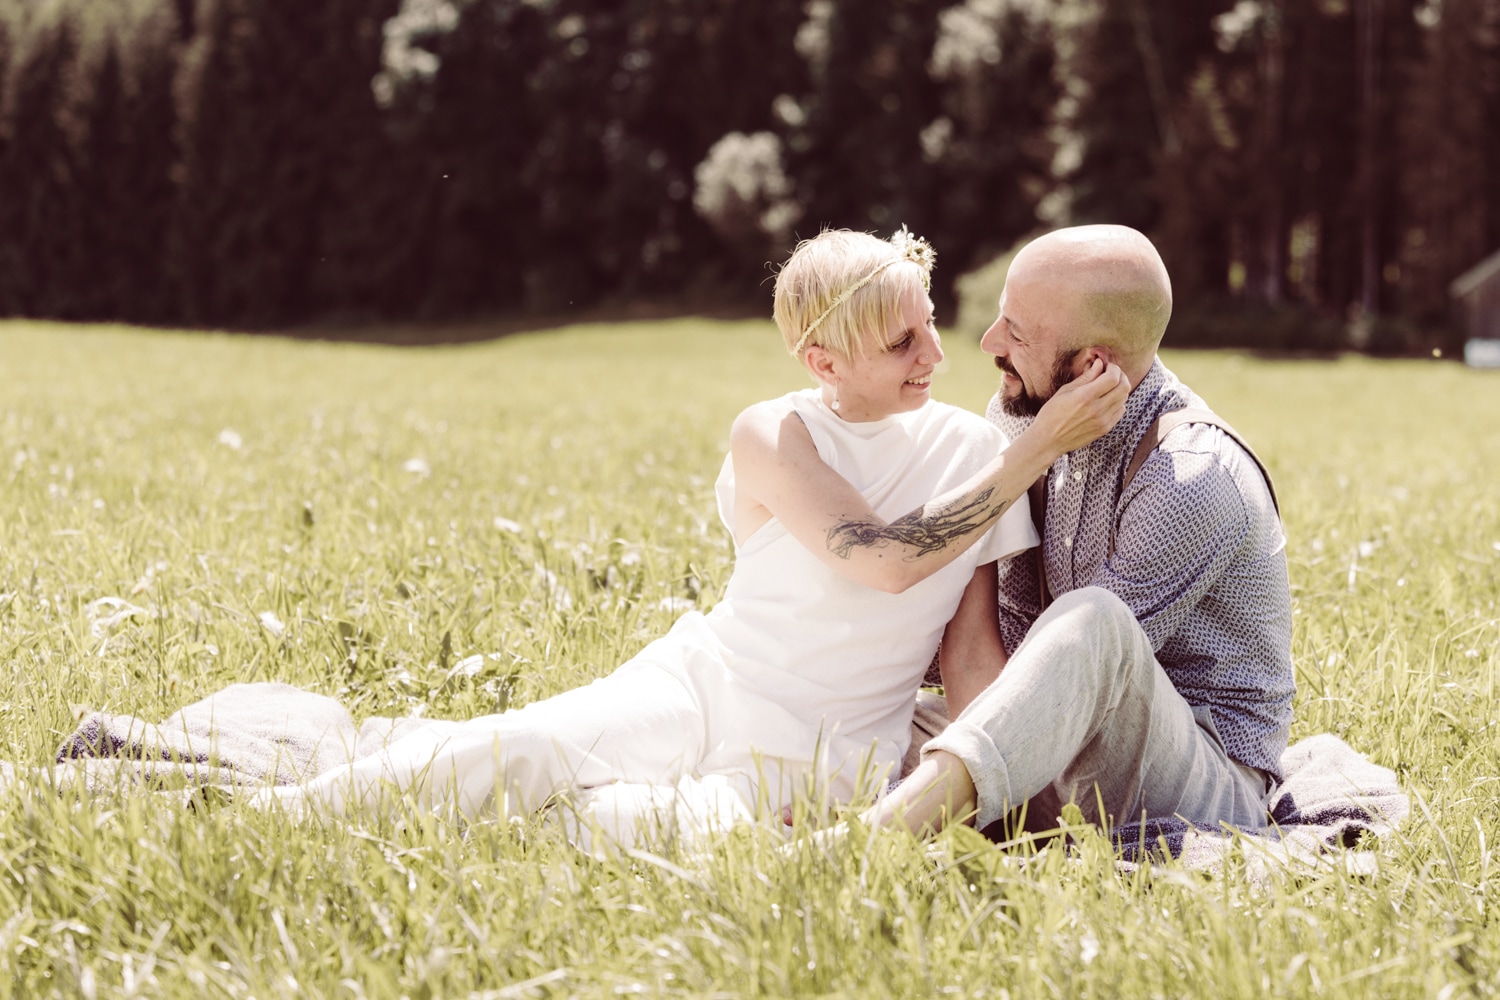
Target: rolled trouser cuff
[(973, 746)]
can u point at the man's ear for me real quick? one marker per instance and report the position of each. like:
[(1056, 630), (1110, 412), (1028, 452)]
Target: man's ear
[(1103, 353)]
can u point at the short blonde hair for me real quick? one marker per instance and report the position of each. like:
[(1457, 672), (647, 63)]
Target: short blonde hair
[(842, 289)]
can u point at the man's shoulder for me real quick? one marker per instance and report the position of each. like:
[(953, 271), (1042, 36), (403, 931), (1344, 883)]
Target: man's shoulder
[(1198, 453), (1193, 458), (1202, 472)]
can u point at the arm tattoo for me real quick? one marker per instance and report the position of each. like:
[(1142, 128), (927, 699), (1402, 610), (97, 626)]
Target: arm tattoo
[(923, 531)]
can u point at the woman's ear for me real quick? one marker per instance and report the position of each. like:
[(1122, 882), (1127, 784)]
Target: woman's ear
[(821, 363)]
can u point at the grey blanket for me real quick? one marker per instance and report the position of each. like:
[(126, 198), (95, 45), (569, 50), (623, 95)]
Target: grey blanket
[(253, 733), (1333, 798), (244, 734)]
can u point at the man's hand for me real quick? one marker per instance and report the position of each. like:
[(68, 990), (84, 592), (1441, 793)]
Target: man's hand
[(1085, 409)]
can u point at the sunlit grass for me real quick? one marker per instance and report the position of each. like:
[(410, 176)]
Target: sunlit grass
[(181, 511)]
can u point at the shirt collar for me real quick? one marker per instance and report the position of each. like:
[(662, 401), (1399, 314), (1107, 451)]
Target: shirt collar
[(1142, 406)]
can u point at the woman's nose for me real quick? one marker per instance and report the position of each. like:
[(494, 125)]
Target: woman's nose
[(932, 351)]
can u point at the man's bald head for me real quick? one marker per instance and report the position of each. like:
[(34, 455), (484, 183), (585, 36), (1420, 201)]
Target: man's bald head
[(1113, 277)]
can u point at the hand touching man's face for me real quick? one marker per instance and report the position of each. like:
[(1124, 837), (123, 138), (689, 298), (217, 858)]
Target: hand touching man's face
[(1020, 400)]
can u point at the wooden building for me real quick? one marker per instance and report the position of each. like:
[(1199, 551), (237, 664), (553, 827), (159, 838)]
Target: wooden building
[(1477, 294)]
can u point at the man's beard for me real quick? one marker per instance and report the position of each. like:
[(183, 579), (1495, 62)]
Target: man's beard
[(1027, 404)]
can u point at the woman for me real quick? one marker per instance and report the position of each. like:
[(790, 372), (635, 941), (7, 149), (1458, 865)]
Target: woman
[(846, 572)]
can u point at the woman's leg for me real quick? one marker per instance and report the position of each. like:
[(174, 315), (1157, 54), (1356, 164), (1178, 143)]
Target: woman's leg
[(627, 814), (639, 724)]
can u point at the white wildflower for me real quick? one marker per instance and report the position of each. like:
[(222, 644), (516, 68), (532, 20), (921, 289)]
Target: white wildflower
[(148, 577), (108, 613), (469, 666), (547, 580)]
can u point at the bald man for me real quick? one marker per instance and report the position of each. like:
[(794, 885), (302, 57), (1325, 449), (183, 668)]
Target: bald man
[(1153, 676)]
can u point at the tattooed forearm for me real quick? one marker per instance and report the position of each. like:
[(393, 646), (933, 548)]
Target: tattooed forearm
[(922, 531)]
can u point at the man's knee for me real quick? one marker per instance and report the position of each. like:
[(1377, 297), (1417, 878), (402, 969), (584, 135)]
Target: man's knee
[(1093, 602), (1087, 613), (1092, 627)]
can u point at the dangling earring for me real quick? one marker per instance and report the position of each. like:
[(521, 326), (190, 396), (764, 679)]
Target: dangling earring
[(835, 399)]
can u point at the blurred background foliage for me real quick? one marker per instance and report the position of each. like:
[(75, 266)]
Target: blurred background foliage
[(1316, 172)]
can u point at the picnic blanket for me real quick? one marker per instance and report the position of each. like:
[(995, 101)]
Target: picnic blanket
[(1332, 797), (242, 735)]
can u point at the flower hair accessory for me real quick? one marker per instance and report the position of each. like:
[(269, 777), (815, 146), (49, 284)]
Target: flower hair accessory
[(917, 250), (909, 247)]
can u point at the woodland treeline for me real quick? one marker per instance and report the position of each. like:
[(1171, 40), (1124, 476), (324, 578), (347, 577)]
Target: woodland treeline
[(1316, 172)]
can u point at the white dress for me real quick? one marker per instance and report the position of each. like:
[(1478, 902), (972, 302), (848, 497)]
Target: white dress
[(798, 682)]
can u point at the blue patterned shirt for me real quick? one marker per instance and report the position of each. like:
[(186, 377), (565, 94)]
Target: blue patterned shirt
[(1199, 557)]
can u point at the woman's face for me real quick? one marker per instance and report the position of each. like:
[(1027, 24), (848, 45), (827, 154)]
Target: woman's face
[(895, 374)]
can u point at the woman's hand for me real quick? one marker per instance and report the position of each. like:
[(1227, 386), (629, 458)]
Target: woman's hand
[(1084, 409)]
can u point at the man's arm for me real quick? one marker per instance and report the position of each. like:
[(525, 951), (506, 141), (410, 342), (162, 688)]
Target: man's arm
[(779, 474), (940, 789), (972, 655), (1019, 597)]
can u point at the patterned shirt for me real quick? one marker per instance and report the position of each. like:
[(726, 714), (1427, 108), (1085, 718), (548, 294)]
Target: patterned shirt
[(1199, 557)]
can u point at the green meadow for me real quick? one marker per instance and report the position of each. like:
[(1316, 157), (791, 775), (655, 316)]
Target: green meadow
[(453, 530)]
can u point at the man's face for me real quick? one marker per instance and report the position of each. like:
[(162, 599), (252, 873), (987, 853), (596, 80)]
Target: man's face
[(1025, 340), (1020, 401)]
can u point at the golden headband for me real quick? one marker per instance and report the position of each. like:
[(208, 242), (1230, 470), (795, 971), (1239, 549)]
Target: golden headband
[(909, 248)]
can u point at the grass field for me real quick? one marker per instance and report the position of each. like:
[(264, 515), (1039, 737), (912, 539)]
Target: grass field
[(546, 501)]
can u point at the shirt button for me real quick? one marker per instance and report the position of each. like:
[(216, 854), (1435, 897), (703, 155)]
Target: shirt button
[(1068, 542), (1078, 475)]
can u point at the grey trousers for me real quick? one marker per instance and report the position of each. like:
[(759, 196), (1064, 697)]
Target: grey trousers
[(1084, 713)]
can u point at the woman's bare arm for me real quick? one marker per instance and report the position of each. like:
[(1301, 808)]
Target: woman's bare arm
[(778, 473)]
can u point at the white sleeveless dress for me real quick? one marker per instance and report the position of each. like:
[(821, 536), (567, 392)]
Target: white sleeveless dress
[(799, 681)]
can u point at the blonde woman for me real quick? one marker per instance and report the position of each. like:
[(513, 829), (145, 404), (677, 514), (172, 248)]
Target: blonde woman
[(862, 513)]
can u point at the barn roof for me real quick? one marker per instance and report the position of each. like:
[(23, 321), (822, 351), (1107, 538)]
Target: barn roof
[(1475, 276)]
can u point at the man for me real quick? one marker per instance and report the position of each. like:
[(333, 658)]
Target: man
[(1159, 680)]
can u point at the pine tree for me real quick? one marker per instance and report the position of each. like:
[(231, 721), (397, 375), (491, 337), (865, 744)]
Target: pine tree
[(144, 163), (260, 91), (857, 157), (472, 118), (12, 33), (36, 246), (1133, 62), (1451, 153), (990, 148), (692, 72)]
